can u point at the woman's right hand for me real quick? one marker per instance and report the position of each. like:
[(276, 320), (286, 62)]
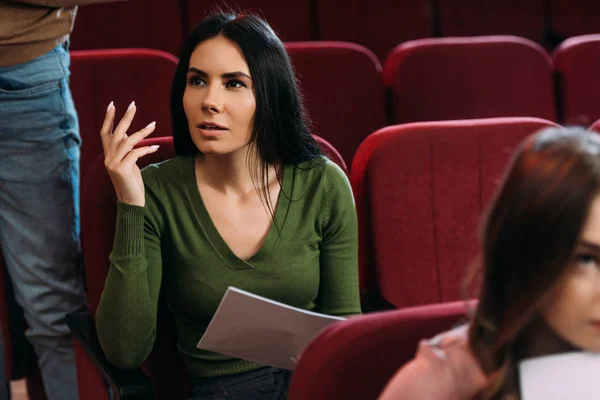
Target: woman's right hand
[(120, 156)]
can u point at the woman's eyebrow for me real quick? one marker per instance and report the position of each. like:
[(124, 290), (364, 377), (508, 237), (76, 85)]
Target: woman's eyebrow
[(590, 245), (227, 75)]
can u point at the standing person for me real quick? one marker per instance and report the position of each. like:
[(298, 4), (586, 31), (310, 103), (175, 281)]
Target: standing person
[(39, 180), (249, 201), (540, 270)]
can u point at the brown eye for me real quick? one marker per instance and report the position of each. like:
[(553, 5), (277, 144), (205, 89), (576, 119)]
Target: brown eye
[(235, 84), (196, 81), (585, 260)]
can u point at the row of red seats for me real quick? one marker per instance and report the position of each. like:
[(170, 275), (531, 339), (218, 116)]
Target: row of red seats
[(419, 189), (344, 85), (378, 24)]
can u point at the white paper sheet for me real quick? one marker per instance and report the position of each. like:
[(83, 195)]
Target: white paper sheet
[(566, 376), (257, 329)]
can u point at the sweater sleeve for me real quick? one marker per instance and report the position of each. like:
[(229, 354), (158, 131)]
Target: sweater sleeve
[(127, 312), (338, 289)]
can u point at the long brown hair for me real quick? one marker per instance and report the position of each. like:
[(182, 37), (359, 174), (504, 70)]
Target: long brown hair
[(527, 240)]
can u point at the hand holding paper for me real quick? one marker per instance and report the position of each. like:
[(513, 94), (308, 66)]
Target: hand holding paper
[(257, 329)]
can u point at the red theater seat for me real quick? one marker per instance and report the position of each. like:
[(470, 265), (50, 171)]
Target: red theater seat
[(291, 20), (377, 24), (120, 75), (134, 23), (495, 17), (576, 64), (420, 190), (355, 359), (477, 77), (331, 152), (342, 88), (574, 17)]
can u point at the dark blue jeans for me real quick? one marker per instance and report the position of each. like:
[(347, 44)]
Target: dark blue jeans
[(263, 384)]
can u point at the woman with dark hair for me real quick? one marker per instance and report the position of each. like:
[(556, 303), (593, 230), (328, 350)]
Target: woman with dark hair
[(249, 201), (540, 265)]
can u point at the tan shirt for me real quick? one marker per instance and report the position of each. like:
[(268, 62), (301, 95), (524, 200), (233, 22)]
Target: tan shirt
[(31, 28)]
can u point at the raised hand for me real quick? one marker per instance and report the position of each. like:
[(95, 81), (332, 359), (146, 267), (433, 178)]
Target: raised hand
[(120, 156)]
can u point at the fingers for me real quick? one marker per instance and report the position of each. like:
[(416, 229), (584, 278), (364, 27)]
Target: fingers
[(136, 154), (106, 130), (127, 144), (120, 131)]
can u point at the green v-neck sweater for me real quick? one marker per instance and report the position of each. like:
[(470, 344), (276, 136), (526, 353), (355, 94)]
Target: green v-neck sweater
[(309, 260)]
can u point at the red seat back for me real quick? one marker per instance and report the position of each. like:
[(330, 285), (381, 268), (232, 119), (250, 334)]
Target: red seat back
[(291, 20), (380, 27), (477, 77), (331, 152), (506, 17), (342, 88), (125, 24), (101, 76), (574, 17), (420, 190), (355, 359), (576, 63)]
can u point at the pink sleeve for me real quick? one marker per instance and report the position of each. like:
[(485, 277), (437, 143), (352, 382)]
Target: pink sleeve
[(428, 376), (443, 369)]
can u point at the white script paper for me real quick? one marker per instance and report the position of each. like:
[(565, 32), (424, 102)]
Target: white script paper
[(567, 376), (258, 329)]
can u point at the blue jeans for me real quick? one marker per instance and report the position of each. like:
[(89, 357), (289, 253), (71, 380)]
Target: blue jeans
[(39, 208)]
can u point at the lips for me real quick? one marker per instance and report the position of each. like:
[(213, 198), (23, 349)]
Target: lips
[(211, 126)]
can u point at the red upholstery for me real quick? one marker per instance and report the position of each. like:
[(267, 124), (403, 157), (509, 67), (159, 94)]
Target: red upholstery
[(331, 152), (478, 77), (98, 216), (577, 62), (132, 23), (574, 17), (595, 126), (290, 19), (101, 76), (499, 17), (343, 92), (355, 359), (378, 25), (420, 189), (89, 381)]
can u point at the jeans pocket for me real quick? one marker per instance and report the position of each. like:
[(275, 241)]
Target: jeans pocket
[(42, 89), (34, 78)]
